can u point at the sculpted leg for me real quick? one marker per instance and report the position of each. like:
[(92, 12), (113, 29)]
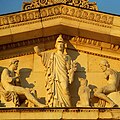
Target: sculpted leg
[(101, 95), (20, 90), (104, 97), (32, 99)]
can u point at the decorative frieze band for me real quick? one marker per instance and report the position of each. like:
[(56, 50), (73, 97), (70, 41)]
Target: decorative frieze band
[(27, 43), (85, 41), (19, 17), (94, 43), (75, 12), (77, 41)]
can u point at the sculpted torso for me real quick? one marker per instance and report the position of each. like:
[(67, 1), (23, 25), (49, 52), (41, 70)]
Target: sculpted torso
[(112, 83), (112, 76), (6, 79)]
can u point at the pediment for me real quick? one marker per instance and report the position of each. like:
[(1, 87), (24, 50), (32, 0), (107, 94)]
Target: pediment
[(94, 29), (90, 36), (58, 19)]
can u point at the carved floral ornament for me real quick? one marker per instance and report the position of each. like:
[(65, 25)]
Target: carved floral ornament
[(41, 3), (53, 11)]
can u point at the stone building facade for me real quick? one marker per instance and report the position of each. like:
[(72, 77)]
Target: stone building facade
[(91, 36)]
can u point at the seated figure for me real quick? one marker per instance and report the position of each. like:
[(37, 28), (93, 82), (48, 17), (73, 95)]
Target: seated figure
[(84, 92), (112, 84), (11, 89)]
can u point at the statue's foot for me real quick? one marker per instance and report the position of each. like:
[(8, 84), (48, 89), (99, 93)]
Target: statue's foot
[(46, 106), (43, 106)]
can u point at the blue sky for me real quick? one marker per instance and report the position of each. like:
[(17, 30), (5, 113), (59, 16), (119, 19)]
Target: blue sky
[(109, 6)]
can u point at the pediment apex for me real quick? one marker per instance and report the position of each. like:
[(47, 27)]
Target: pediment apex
[(42, 3)]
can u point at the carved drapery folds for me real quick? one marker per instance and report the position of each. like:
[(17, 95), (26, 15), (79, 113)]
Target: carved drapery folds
[(41, 3), (59, 74)]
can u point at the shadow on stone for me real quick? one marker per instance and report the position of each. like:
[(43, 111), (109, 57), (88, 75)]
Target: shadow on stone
[(24, 74)]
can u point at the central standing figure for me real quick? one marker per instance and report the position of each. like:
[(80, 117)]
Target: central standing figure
[(59, 73)]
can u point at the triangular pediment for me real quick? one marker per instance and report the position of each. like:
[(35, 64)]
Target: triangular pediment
[(89, 36), (94, 29)]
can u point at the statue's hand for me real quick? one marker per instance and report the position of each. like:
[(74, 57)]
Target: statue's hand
[(36, 49)]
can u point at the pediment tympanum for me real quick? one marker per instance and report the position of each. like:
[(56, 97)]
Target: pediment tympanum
[(70, 44), (87, 53)]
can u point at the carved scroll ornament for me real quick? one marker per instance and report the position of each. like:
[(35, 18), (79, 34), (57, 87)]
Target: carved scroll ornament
[(41, 3)]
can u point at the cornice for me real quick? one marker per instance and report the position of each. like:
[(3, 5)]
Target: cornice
[(39, 15), (75, 41), (27, 42), (16, 46), (91, 43), (95, 43)]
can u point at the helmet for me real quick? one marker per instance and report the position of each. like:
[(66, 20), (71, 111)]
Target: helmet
[(60, 39)]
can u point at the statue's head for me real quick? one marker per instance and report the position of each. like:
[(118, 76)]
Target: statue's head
[(104, 65), (14, 64), (60, 45)]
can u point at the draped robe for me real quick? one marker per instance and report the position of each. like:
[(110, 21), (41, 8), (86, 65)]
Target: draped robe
[(57, 80)]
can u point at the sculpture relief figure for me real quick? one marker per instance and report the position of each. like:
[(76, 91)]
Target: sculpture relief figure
[(112, 83), (59, 73), (84, 92), (10, 80)]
